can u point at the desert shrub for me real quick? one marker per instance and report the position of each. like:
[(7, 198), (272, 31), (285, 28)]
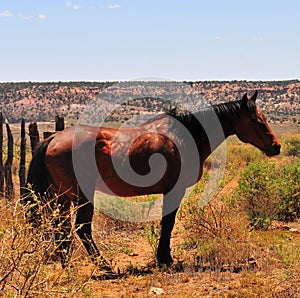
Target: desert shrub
[(256, 188), (218, 233), (292, 146), (243, 154), (270, 191)]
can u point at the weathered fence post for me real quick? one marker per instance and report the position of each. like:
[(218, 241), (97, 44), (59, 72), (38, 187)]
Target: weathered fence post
[(22, 158), (34, 136), (1, 155), (59, 123), (59, 126), (8, 164)]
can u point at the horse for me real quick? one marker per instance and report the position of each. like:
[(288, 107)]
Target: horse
[(52, 167)]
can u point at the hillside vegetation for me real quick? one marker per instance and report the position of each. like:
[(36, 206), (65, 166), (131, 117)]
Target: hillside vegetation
[(42, 101)]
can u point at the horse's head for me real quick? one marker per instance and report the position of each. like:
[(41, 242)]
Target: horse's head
[(253, 128)]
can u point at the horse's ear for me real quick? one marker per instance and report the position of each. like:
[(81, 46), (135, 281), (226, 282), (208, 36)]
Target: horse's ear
[(244, 100), (254, 96)]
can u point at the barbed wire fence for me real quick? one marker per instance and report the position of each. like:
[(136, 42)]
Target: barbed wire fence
[(13, 145)]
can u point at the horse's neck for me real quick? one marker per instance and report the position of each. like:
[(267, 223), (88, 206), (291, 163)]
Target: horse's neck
[(216, 129)]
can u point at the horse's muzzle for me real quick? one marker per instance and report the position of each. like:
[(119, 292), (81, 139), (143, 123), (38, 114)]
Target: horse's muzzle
[(273, 150), (276, 147)]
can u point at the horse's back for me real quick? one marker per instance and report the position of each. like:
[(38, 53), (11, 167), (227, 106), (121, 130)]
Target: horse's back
[(109, 148)]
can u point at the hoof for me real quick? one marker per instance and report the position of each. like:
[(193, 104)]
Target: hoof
[(151, 265), (166, 262), (171, 268), (102, 264)]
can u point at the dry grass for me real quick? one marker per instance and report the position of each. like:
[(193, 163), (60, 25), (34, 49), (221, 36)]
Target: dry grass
[(219, 235), (216, 265), (219, 255), (27, 257)]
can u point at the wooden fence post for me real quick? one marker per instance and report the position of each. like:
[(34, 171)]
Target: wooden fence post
[(22, 169), (59, 123), (34, 136), (1, 155), (8, 164)]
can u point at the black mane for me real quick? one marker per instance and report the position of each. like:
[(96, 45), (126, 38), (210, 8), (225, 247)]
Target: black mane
[(226, 113), (222, 110)]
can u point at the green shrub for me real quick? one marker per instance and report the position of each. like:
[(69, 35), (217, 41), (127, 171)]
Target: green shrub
[(292, 147), (270, 191), (288, 189), (255, 186)]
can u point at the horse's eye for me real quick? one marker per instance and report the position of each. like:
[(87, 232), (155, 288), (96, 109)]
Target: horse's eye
[(257, 117), (261, 119)]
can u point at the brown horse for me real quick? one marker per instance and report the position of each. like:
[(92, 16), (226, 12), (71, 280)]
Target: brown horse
[(53, 168)]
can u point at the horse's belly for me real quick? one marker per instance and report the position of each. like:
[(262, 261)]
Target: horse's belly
[(118, 187)]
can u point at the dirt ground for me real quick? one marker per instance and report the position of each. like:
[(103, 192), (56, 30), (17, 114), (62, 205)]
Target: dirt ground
[(129, 251)]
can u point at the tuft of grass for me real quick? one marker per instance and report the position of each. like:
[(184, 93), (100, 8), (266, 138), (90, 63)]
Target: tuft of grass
[(292, 146), (218, 234), (28, 257), (125, 250), (152, 232), (242, 154)]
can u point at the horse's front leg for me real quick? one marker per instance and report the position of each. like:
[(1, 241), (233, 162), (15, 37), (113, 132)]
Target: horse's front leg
[(164, 250), (170, 208)]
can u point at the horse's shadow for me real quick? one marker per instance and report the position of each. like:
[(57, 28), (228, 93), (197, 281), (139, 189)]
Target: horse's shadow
[(135, 271)]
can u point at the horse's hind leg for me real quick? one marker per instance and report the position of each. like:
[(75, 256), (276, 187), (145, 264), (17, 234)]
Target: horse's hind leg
[(63, 237), (83, 225)]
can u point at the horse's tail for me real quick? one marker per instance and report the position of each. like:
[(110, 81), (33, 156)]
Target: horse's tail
[(37, 184)]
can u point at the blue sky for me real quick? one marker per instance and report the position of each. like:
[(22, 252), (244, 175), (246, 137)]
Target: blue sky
[(104, 40)]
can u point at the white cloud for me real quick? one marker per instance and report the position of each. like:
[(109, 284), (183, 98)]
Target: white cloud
[(257, 39), (75, 6), (113, 6), (78, 6), (6, 13), (219, 37), (27, 18), (42, 16)]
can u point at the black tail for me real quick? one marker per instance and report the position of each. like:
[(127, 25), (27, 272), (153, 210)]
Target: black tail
[(37, 183)]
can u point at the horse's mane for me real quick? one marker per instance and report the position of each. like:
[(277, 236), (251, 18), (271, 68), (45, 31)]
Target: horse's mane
[(193, 121), (221, 110)]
